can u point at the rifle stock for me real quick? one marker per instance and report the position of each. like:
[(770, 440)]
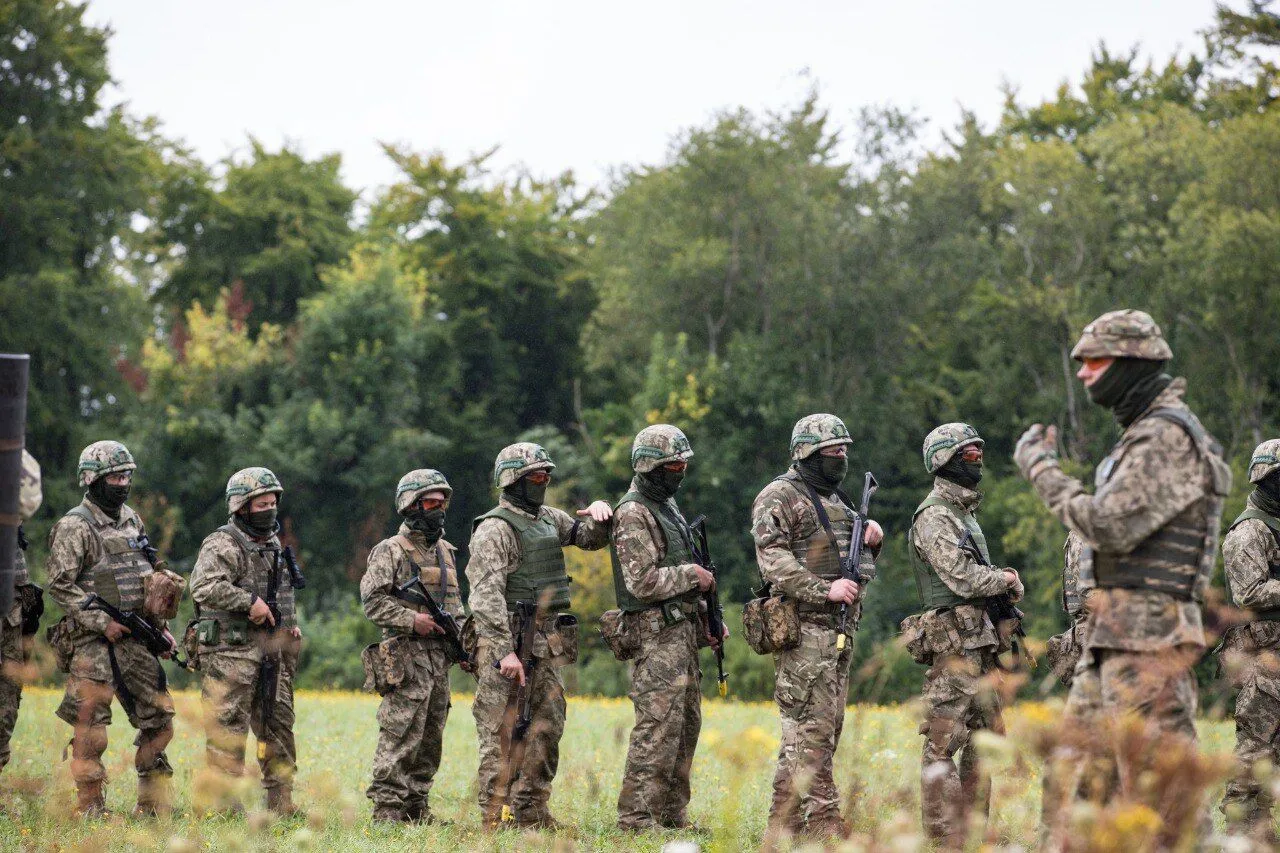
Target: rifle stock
[(519, 712), (715, 613), (849, 568)]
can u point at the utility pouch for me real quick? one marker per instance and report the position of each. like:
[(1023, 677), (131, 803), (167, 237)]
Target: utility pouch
[(162, 590), (386, 664), (613, 629), (771, 624), (703, 625), (59, 637), (470, 639), (31, 603), (1062, 653), (563, 640), (191, 643), (914, 640), (375, 676), (236, 631), (208, 632)]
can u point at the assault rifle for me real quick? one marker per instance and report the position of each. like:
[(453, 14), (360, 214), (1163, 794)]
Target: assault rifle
[(264, 694), (519, 713), (296, 580), (1000, 608), (715, 613), (849, 567), (416, 594), (140, 629)]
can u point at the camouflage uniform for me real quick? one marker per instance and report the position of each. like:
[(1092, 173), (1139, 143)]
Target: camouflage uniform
[(960, 689), (232, 570), (798, 561), (656, 583), (1150, 532), (496, 555), (412, 716), (1251, 652), (91, 552), (1064, 649), (14, 644)]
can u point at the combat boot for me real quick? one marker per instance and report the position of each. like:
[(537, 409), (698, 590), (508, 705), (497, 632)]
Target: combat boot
[(155, 796), (91, 802), (280, 801), (389, 814)]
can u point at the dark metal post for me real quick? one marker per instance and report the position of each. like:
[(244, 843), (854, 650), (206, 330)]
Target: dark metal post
[(13, 424)]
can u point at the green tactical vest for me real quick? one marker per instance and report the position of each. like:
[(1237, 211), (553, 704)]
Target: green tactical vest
[(933, 592), (541, 577), (814, 552), (1178, 558), (117, 577), (678, 552), (1272, 522), (263, 559)]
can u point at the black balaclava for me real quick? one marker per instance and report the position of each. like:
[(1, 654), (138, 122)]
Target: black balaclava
[(428, 522), (526, 495), (824, 473), (961, 472), (107, 497), (1128, 386), (1267, 494), (659, 484), (261, 523)]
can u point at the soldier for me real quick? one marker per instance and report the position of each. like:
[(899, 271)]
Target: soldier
[(1251, 652), (239, 570), (516, 556), (659, 587), (801, 524), (1063, 652), (960, 687), (1150, 530), (412, 716), (96, 548), (17, 630)]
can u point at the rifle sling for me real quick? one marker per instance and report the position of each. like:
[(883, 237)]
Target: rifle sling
[(825, 521), (127, 700)]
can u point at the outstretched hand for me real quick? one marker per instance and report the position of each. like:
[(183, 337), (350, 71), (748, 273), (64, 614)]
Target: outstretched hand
[(1038, 445), (598, 511)]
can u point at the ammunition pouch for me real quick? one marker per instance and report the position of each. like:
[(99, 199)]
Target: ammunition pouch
[(191, 643), (913, 640), (31, 605), (387, 664), (614, 631), (771, 624), (562, 639), (1062, 654), (61, 640), (470, 639), (229, 629), (161, 592)]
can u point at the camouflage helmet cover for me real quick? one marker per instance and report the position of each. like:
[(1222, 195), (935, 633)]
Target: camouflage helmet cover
[(516, 460), (943, 442), (102, 458), (1265, 460), (814, 432), (657, 445), (1123, 334), (247, 483), (416, 483), (29, 494)]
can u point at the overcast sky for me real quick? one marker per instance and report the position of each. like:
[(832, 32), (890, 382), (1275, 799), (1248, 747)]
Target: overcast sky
[(587, 86)]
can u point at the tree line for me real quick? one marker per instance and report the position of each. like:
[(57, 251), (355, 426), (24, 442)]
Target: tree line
[(219, 315)]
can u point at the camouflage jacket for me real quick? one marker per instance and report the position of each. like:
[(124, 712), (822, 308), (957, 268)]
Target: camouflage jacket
[(227, 579), (74, 550), (1248, 552), (389, 567), (640, 544), (1073, 594), (781, 516), (1159, 474), (495, 554)]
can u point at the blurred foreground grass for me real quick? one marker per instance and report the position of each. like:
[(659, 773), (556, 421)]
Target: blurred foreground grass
[(877, 767)]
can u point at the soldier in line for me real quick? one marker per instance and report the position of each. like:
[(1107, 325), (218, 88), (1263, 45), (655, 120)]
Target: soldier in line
[(95, 548), (238, 566), (1150, 530), (413, 712), (18, 627), (801, 524), (1251, 652), (960, 641), (658, 588), (1063, 652), (516, 555)]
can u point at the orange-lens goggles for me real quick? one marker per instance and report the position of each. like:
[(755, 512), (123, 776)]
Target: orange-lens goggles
[(428, 504), (538, 477), (972, 453), (676, 466)]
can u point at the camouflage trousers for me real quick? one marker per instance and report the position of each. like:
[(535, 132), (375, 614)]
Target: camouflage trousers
[(665, 690), (1248, 800), (230, 712), (530, 783), (12, 662), (1129, 719), (411, 722), (960, 697), (138, 681), (811, 688)]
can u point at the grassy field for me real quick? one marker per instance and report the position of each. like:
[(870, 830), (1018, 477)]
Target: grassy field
[(877, 765)]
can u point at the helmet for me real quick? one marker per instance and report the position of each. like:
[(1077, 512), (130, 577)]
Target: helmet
[(1265, 460), (814, 432), (657, 445), (102, 458), (29, 494), (1122, 334), (247, 483), (416, 483), (519, 459), (943, 442)]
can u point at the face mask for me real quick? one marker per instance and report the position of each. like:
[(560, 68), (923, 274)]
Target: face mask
[(835, 469), (110, 498), (660, 484), (262, 522), (1268, 497), (962, 473), (824, 473), (430, 523), (1124, 385), (526, 495)]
